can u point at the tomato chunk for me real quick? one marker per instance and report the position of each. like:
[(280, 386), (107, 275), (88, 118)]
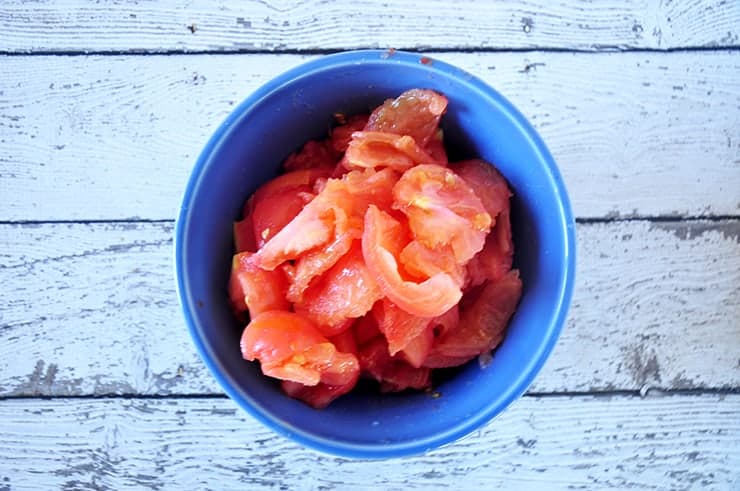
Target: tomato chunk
[(429, 298), (253, 288), (442, 209), (398, 326), (347, 291), (314, 154), (371, 149), (290, 347), (342, 135), (482, 323), (416, 113)]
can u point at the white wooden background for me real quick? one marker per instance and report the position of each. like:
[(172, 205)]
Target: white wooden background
[(104, 107)]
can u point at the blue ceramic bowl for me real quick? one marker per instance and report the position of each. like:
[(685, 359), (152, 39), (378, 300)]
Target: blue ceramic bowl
[(247, 150)]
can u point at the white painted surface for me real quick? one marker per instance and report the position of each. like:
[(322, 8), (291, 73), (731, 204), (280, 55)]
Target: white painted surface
[(92, 309), (274, 25), (115, 137), (656, 443)]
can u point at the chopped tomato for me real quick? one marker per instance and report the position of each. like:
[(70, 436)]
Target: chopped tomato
[(429, 298), (346, 291), (496, 258), (423, 262), (253, 288), (393, 374), (345, 340), (290, 347), (354, 261), (339, 205), (442, 209), (365, 329), (482, 323), (244, 235), (341, 135), (314, 154), (416, 113), (303, 179), (372, 149), (398, 326), (487, 183), (272, 213), (317, 396), (435, 147)]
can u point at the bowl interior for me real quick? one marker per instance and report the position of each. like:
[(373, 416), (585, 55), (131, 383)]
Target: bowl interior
[(248, 150)]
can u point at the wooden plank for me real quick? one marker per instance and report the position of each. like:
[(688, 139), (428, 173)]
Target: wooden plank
[(115, 137), (91, 309), (202, 25), (661, 443)]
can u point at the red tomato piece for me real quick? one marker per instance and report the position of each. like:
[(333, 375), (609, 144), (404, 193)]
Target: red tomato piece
[(429, 298), (417, 348), (244, 235), (290, 347), (482, 323), (303, 179), (345, 340), (398, 326), (416, 113), (341, 135), (253, 288), (435, 147), (497, 256), (366, 329), (338, 207), (393, 374), (487, 183), (422, 262), (442, 209), (495, 260), (346, 291), (317, 396), (272, 213), (372, 149), (314, 154)]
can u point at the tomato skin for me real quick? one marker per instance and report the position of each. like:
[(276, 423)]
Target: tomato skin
[(253, 288), (482, 323), (415, 112), (290, 347), (442, 210), (429, 298)]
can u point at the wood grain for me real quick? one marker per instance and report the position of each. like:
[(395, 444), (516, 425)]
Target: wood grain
[(114, 137), (274, 25), (91, 309), (657, 443)]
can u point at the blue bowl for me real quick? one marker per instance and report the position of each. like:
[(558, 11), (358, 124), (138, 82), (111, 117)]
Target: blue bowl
[(248, 149)]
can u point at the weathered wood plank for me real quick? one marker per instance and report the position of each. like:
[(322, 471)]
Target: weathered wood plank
[(91, 309), (657, 443), (202, 25), (635, 134)]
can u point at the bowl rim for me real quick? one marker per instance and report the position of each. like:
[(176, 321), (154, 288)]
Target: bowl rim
[(528, 373)]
